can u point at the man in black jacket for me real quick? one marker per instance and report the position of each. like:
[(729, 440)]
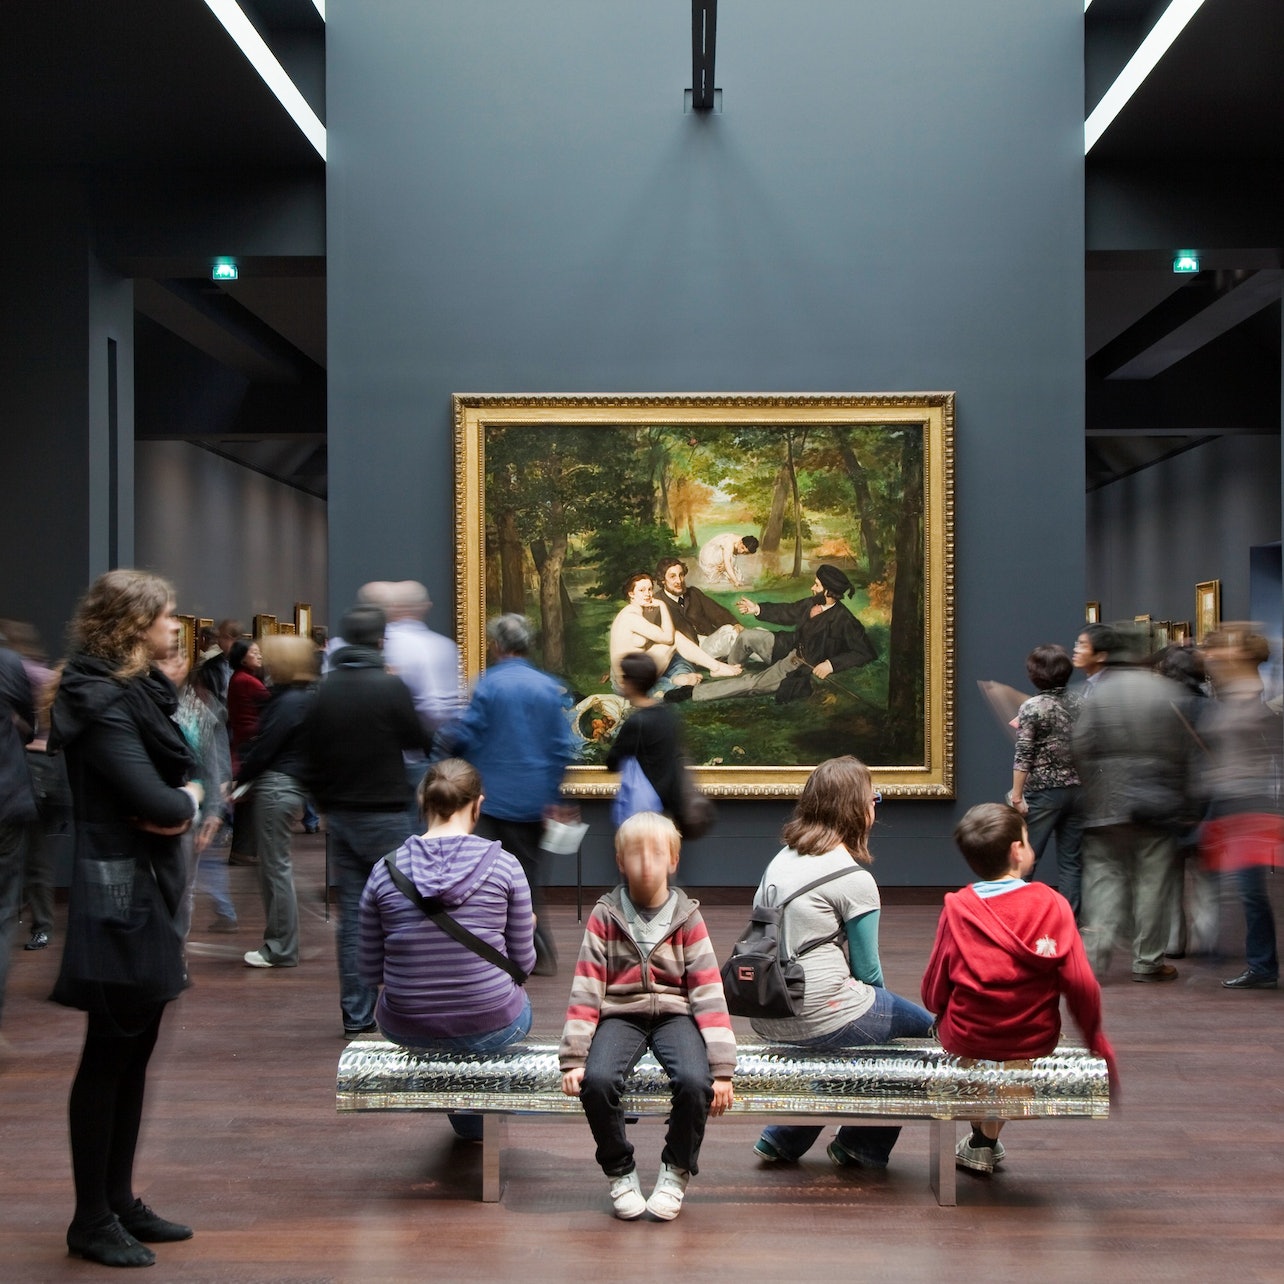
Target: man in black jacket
[(361, 721), (826, 638), (17, 800), (708, 623)]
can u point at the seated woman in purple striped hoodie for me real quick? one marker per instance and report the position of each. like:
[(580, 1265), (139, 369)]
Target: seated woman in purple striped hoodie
[(438, 994)]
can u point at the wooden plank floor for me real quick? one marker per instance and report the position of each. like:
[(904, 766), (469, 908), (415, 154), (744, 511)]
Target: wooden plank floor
[(243, 1141)]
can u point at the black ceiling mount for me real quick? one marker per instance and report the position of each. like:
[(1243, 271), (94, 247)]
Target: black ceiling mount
[(704, 32)]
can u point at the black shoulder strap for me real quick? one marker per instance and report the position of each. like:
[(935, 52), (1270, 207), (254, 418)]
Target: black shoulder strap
[(433, 910), (802, 891)]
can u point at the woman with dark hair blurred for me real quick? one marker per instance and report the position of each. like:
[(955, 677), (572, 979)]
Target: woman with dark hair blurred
[(832, 930), (1045, 783), (275, 762), (128, 766), (650, 736), (438, 993), (246, 696)]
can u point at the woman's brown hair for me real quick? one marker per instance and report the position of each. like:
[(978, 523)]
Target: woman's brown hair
[(113, 617), (448, 786), (833, 811)]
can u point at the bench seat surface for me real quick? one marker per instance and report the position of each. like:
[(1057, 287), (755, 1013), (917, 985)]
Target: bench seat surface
[(909, 1079)]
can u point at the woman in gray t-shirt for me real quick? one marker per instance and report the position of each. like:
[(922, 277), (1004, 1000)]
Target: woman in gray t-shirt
[(844, 1004)]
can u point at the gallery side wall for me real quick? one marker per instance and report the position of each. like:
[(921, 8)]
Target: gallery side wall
[(889, 200), (234, 543), (1154, 535)]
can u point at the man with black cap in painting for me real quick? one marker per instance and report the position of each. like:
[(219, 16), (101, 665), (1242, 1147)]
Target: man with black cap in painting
[(825, 638)]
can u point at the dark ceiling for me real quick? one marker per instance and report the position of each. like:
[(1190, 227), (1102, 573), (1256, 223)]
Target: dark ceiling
[(1192, 162), (153, 87)]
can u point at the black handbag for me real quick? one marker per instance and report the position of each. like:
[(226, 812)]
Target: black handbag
[(757, 978), (434, 910)]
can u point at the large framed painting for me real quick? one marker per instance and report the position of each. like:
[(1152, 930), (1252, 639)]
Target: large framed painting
[(785, 560)]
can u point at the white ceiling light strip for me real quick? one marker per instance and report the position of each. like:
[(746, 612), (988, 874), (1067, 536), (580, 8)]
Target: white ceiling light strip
[(1140, 65), (262, 59)]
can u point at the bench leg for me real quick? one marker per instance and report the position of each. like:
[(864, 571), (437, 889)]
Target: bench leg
[(494, 1139), (944, 1174)]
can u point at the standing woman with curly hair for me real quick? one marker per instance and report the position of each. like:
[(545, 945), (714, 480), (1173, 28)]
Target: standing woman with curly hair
[(128, 765)]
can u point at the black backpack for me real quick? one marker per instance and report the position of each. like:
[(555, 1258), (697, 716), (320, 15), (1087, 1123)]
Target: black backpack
[(756, 978)]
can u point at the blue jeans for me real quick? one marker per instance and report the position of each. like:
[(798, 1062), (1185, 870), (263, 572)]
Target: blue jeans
[(617, 1046), (677, 667), (890, 1017), (469, 1127), (1259, 922), (1056, 811), (357, 840)]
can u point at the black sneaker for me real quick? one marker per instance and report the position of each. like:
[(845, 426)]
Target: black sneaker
[(39, 940)]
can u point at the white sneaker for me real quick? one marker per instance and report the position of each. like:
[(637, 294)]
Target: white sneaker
[(626, 1195), (666, 1199), (255, 959), (980, 1159)]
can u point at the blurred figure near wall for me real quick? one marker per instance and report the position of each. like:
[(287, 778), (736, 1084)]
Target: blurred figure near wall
[(1243, 835)]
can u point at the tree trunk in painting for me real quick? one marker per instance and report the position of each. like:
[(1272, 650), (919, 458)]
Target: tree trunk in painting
[(512, 593), (775, 526), (793, 488), (908, 657), (860, 485), (550, 605), (539, 553)]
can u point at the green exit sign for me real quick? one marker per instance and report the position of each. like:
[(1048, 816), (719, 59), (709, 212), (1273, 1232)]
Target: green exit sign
[(1186, 261), (224, 272)]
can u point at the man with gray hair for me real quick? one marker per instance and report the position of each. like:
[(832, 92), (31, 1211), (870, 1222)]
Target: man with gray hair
[(517, 733)]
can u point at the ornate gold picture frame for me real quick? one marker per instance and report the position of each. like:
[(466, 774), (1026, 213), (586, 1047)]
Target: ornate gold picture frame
[(1208, 607), (561, 498)]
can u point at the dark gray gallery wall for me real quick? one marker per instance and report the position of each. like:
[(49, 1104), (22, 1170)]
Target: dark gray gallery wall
[(890, 200), (234, 543), (1154, 535)]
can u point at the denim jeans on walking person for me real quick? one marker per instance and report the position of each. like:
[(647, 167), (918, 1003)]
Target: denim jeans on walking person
[(1259, 922), (1056, 811), (891, 1017), (468, 1126), (357, 840), (278, 803), (618, 1045)]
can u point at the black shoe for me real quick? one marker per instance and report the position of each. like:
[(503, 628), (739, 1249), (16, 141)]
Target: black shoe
[(110, 1244), (675, 695), (372, 1028), (1250, 980), (39, 939), (150, 1227)]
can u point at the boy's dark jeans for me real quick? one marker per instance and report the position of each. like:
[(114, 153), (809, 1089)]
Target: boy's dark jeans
[(617, 1047)]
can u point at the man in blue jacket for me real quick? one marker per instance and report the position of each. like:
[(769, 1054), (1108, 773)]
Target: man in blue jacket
[(517, 733)]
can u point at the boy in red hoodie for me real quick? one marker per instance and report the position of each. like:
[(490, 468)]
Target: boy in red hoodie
[(1005, 952)]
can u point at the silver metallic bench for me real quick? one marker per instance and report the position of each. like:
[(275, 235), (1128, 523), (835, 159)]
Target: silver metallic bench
[(912, 1079)]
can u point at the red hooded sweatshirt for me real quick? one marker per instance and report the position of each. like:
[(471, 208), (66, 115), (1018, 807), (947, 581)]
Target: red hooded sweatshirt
[(997, 973)]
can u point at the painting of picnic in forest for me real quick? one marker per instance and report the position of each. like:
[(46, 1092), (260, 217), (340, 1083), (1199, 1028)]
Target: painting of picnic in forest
[(784, 561)]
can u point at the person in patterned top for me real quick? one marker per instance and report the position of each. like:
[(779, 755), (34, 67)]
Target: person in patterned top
[(646, 978), (1045, 784)]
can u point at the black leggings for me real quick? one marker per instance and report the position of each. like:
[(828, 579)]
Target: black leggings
[(106, 1109)]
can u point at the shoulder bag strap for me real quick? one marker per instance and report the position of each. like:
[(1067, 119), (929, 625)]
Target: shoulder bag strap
[(802, 891), (433, 910)]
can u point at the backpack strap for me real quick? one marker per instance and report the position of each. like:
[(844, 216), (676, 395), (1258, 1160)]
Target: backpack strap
[(802, 891), (434, 910)]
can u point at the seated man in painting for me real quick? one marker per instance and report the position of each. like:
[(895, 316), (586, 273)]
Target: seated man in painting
[(826, 638), (708, 623), (646, 625)]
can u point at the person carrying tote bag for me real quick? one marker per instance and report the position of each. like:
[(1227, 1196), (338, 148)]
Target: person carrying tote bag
[(647, 751)]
